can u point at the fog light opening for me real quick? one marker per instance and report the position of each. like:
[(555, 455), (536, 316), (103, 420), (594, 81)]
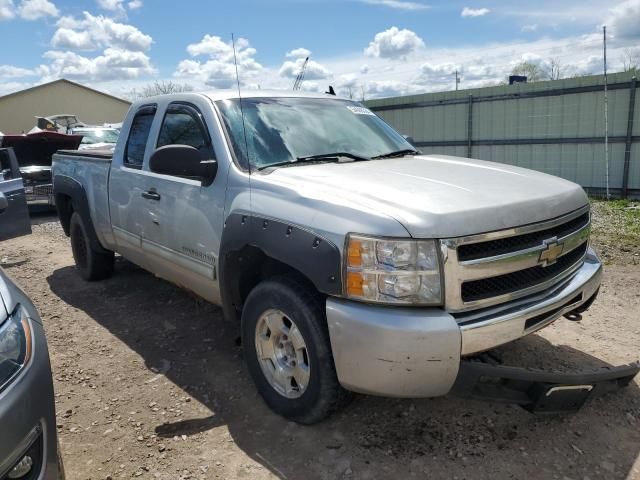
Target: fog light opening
[(22, 468)]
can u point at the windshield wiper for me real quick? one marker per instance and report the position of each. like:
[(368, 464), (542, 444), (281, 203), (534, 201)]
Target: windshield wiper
[(334, 156), (397, 153)]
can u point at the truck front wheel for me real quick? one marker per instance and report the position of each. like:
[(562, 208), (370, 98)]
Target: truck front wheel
[(288, 353), (91, 264)]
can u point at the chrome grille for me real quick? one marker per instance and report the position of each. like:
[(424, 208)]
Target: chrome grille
[(496, 267), (473, 251)]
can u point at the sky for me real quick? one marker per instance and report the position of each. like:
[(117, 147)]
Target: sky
[(364, 48)]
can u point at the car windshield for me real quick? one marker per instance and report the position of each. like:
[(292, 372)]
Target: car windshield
[(281, 130), (101, 135)]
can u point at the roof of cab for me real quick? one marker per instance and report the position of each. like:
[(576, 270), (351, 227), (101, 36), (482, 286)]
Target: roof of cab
[(215, 95)]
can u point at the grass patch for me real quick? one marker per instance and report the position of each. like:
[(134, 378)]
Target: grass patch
[(615, 230)]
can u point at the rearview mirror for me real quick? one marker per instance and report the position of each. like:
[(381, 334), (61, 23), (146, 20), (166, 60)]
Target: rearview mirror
[(4, 203), (183, 161)]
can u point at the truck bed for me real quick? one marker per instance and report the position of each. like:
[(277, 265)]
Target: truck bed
[(93, 154), (90, 169)]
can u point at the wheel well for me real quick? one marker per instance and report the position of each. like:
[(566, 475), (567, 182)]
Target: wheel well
[(64, 206), (250, 266)]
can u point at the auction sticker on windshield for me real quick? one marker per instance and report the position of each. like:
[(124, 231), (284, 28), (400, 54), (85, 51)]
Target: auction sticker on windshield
[(360, 110)]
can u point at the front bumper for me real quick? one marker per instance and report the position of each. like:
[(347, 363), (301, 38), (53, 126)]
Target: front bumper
[(27, 414), (415, 352)]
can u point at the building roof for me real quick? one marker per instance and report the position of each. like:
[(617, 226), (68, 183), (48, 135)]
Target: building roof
[(64, 80)]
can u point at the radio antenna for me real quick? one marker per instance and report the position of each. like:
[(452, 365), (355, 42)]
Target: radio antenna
[(244, 128)]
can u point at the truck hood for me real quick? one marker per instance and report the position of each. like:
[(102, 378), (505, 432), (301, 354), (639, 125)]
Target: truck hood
[(438, 196)]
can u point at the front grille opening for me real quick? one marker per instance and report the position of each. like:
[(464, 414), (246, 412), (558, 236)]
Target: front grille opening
[(491, 248), (533, 321), (512, 282)]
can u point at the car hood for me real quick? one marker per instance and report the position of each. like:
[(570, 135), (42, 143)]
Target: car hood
[(438, 196)]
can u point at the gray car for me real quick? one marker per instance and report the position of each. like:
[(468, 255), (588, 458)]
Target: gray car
[(28, 440)]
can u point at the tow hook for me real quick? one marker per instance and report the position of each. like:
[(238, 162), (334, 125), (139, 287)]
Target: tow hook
[(573, 316)]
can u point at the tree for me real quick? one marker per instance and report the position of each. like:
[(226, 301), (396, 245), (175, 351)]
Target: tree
[(160, 88), (631, 60), (532, 71), (555, 69)]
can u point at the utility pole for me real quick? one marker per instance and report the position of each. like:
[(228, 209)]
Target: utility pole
[(606, 111), (457, 80)]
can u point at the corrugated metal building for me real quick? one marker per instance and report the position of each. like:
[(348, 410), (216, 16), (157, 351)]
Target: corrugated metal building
[(556, 127), (19, 109)]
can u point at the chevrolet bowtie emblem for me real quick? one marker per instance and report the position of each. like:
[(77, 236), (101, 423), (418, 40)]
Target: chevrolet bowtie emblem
[(552, 250)]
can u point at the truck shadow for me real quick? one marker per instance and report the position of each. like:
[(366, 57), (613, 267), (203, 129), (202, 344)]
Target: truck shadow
[(188, 341)]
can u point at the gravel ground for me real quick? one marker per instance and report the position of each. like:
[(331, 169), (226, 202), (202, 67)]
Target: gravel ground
[(150, 383)]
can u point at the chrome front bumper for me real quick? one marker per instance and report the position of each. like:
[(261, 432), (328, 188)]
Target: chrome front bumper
[(411, 352)]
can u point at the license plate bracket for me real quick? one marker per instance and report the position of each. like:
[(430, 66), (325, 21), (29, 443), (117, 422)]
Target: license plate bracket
[(558, 398)]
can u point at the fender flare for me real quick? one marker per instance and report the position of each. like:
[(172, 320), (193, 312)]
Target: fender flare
[(69, 187), (318, 259)]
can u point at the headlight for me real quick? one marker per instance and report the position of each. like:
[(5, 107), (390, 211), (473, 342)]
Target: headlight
[(15, 346), (393, 271)]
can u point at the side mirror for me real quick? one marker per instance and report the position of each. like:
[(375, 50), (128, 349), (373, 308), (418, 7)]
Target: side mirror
[(409, 139), (183, 161), (4, 203)]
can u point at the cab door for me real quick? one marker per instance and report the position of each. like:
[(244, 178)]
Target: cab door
[(127, 185), (184, 218), (14, 214)]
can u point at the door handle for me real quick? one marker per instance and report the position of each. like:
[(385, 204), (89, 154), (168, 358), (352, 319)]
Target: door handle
[(151, 195)]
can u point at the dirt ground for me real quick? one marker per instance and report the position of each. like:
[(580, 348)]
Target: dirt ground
[(150, 383)]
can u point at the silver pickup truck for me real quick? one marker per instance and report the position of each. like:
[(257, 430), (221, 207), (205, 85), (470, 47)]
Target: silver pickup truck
[(351, 262)]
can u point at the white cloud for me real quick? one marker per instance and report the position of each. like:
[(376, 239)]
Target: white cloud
[(474, 12), (394, 43), (96, 32), (134, 4), (398, 4), (314, 70), (298, 52), (624, 20), (7, 9), (219, 69), (36, 9), (28, 9), (364, 68), (113, 64), (10, 71), (530, 28), (115, 6)]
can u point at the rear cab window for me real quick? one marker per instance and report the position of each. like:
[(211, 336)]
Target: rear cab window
[(138, 136)]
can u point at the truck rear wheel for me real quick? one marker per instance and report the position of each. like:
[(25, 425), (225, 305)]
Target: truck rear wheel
[(91, 264), (288, 353)]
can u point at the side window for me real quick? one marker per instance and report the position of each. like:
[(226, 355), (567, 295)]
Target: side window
[(5, 166), (183, 125), (138, 135), (8, 165)]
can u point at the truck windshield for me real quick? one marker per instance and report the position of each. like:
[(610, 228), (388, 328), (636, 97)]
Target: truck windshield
[(281, 130)]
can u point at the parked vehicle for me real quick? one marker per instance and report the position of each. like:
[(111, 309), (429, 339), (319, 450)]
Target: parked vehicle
[(28, 439), (14, 214), (33, 152), (96, 137), (352, 262)]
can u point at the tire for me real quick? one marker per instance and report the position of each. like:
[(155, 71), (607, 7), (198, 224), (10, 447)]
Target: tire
[(297, 309), (91, 264)]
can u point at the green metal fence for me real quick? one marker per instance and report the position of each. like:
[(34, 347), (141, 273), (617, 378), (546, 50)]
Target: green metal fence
[(555, 127)]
